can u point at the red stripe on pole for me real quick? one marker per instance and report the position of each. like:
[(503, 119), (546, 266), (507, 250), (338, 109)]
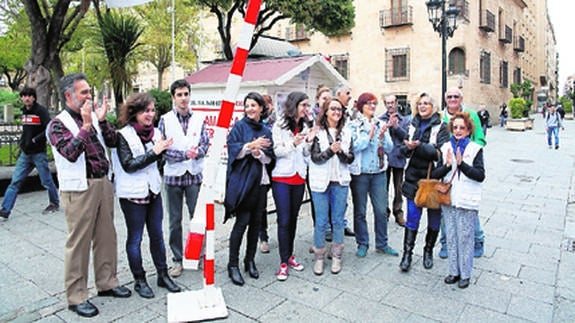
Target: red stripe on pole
[(209, 271), (210, 217), (225, 115), (239, 61), (253, 12)]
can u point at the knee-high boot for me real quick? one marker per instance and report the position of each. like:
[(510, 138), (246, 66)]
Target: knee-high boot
[(430, 240), (408, 244)]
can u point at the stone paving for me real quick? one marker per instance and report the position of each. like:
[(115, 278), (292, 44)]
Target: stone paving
[(526, 275)]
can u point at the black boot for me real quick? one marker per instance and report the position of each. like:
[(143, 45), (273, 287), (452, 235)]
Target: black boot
[(165, 281), (141, 286), (250, 267), (430, 240), (408, 243), (235, 275)]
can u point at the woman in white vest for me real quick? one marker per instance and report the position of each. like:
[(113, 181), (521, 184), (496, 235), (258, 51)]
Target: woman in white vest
[(465, 158), (329, 178), (138, 185), (291, 147)]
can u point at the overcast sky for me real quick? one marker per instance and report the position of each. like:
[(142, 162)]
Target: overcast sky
[(561, 14)]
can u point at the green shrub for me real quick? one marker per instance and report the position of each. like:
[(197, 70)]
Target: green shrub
[(567, 104), (163, 102), (517, 107)]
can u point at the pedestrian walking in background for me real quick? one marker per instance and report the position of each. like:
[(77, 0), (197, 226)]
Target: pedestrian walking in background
[(553, 122), (79, 137), (138, 185), (331, 154), (503, 112), (426, 134), (35, 119), (292, 136), (184, 164), (371, 142), (250, 162), (462, 161), (483, 115)]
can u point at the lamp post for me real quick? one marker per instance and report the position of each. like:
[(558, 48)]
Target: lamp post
[(444, 21)]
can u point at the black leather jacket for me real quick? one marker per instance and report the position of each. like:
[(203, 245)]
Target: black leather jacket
[(130, 163), (422, 154)]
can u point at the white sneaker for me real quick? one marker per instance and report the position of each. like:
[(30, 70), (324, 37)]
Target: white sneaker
[(176, 270)]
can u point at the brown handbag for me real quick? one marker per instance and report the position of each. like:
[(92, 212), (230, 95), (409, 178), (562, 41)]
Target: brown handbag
[(432, 193)]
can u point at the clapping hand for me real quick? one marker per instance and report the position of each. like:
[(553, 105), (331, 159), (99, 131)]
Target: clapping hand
[(161, 145)]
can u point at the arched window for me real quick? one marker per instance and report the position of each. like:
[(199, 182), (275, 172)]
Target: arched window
[(457, 61)]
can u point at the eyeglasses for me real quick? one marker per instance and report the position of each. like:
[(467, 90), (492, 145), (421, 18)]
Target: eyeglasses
[(337, 109), (453, 96)]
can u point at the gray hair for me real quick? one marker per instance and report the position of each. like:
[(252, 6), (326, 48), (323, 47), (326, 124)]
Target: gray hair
[(67, 83)]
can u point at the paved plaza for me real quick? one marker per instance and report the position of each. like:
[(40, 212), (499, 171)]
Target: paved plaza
[(526, 275)]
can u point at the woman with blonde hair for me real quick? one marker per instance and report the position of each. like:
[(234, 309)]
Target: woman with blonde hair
[(426, 134)]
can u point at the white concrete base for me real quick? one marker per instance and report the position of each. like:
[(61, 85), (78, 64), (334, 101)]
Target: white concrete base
[(191, 306)]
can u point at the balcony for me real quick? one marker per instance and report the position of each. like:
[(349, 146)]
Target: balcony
[(519, 45), (487, 21), (463, 6), (396, 17), (297, 33), (506, 35)]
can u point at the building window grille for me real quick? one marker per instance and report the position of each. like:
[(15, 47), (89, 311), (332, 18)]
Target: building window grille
[(341, 64), (485, 68), (503, 74), (397, 64)]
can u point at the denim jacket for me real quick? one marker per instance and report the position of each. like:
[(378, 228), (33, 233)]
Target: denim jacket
[(365, 149)]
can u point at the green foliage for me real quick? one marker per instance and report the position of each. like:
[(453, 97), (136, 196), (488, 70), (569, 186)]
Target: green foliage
[(119, 38), (517, 106), (163, 102), (16, 45), (566, 103), (8, 97), (329, 17), (157, 35)]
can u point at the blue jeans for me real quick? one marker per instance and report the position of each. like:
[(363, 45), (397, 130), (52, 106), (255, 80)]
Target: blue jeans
[(414, 216), (376, 186), (333, 200), (175, 196), (555, 132), (479, 236), (288, 200), (24, 165), (137, 216)]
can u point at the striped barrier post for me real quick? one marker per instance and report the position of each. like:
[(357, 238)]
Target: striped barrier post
[(209, 303)]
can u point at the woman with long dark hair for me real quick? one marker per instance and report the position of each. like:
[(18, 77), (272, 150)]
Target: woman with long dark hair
[(250, 161), (138, 185)]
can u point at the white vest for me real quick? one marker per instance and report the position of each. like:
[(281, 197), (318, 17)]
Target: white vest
[(173, 129), (72, 176), (136, 184), (289, 159), (319, 174), (465, 192)]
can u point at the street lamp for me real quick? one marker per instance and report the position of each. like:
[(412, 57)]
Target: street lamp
[(444, 21)]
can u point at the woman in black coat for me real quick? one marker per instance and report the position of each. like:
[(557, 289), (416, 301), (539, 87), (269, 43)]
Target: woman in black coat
[(250, 161), (426, 134)]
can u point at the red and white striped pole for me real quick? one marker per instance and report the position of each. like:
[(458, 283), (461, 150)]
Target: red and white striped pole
[(209, 302), (207, 193)]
